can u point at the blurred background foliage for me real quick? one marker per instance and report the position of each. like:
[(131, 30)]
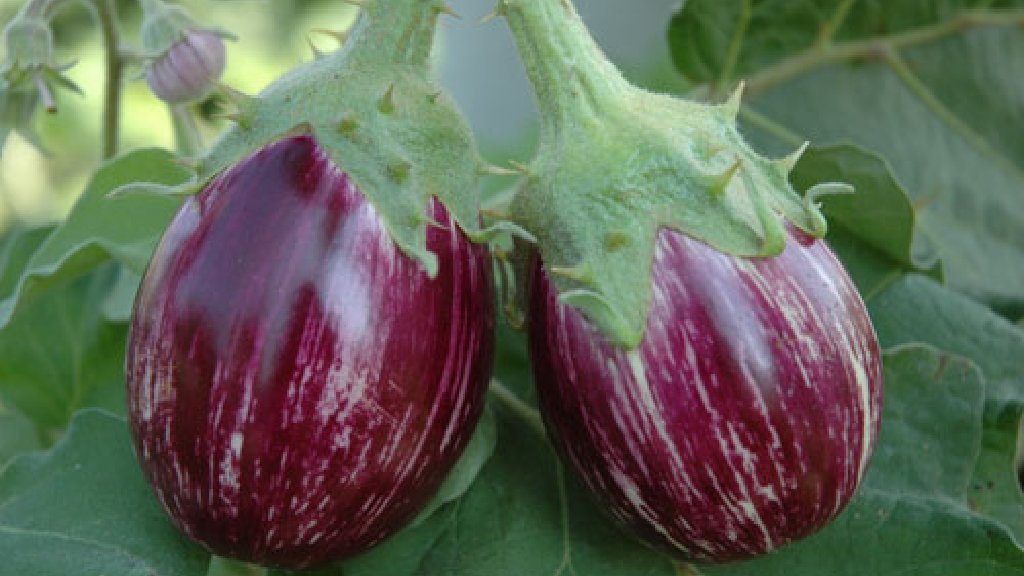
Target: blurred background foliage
[(475, 61)]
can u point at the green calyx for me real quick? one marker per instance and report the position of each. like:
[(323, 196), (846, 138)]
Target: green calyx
[(374, 109), (162, 26), (616, 164)]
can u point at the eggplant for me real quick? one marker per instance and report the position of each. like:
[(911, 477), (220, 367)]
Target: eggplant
[(298, 387), (746, 417)]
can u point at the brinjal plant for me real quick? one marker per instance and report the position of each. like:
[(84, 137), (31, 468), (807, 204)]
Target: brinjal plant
[(262, 339), (702, 359), (313, 337)]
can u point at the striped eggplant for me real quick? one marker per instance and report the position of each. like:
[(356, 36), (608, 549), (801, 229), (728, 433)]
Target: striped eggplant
[(703, 362), (298, 387), (746, 417), (312, 340)]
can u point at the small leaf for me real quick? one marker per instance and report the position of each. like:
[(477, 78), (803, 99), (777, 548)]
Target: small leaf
[(873, 229)]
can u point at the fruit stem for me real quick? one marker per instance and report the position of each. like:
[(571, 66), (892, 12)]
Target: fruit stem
[(570, 74), (393, 32)]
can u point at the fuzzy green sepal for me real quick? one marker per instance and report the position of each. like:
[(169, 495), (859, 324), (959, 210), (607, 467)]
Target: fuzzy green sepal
[(617, 164), (164, 25)]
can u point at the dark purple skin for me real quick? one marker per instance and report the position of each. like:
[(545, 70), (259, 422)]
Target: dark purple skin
[(298, 387), (746, 417)]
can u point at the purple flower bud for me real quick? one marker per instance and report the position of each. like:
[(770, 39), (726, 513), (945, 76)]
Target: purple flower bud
[(188, 70)]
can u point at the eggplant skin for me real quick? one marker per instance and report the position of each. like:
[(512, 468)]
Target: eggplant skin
[(744, 420), (298, 387)]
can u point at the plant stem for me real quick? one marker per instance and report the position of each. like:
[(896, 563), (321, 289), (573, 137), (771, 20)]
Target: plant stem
[(187, 139), (521, 409), (824, 54), (36, 8), (106, 13), (770, 126), (225, 567), (570, 74), (732, 55), (393, 32)]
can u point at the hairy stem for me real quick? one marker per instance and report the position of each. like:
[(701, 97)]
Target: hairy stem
[(394, 32), (106, 14), (824, 54), (187, 139), (570, 74)]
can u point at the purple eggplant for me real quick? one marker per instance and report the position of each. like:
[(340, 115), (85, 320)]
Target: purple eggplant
[(744, 420), (298, 387)]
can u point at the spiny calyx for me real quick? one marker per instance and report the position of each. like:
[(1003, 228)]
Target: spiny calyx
[(618, 164)]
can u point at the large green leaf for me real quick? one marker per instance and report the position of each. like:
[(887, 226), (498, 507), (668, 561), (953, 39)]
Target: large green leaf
[(17, 434), (58, 354), (917, 309), (935, 86), (97, 230), (83, 508)]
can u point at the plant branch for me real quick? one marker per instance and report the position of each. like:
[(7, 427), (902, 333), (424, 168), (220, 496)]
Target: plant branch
[(831, 28), (755, 118), (521, 409), (932, 102), (106, 13), (732, 56), (821, 55)]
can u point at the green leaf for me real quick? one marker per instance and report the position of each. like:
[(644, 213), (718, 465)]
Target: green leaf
[(742, 37), (913, 515), (932, 86), (872, 230), (17, 435), (16, 249), (98, 229), (118, 305), (918, 309), (461, 477), (59, 354), (84, 508)]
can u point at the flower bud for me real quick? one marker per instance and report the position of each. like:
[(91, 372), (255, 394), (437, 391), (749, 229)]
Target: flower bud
[(29, 42), (188, 70)]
